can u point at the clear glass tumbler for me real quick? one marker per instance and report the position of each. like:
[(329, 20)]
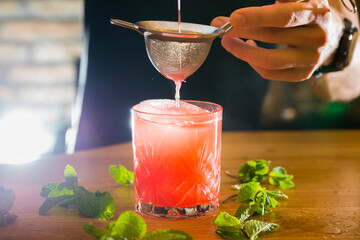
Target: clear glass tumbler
[(177, 158)]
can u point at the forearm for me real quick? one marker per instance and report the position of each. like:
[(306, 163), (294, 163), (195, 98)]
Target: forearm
[(344, 85)]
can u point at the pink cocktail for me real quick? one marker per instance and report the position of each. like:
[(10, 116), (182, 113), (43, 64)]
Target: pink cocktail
[(177, 157)]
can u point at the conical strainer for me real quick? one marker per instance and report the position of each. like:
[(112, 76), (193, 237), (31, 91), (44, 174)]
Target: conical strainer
[(176, 55)]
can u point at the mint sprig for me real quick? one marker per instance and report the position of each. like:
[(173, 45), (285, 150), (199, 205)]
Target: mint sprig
[(121, 175), (279, 177), (7, 199), (258, 171), (230, 227), (254, 171), (131, 226), (94, 205), (259, 197)]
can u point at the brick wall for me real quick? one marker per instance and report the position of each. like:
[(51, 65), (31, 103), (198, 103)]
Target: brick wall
[(40, 46)]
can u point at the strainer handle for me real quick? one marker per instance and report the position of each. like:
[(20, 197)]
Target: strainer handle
[(125, 24), (226, 27)]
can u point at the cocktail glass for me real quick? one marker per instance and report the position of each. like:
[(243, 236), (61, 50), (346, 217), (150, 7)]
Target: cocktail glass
[(177, 158)]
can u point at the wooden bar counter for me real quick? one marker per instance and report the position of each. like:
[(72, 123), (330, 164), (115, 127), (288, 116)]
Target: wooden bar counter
[(324, 204)]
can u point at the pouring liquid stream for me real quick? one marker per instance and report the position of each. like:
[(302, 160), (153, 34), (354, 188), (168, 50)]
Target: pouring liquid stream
[(178, 82)]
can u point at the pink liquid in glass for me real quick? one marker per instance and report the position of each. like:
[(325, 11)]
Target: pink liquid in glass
[(177, 157)]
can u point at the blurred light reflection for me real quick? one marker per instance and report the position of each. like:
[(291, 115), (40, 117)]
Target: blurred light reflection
[(23, 137)]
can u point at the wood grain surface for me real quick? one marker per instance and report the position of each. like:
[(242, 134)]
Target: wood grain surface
[(325, 203)]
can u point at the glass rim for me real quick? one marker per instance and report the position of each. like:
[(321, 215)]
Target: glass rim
[(220, 108)]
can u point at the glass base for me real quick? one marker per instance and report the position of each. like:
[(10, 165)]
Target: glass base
[(177, 212)]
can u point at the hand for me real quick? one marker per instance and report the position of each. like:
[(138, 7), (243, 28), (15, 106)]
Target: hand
[(308, 31)]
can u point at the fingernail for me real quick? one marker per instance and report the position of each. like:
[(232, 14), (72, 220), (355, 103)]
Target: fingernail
[(237, 19)]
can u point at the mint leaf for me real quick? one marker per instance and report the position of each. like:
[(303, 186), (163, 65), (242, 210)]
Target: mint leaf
[(70, 176), (279, 177), (10, 218), (248, 191), (277, 193), (129, 226), (253, 228), (238, 234), (52, 202), (52, 190), (224, 219), (168, 234), (98, 233), (254, 171), (7, 199), (98, 205), (121, 175), (244, 212), (3, 222)]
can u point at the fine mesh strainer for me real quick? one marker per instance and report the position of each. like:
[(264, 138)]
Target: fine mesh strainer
[(176, 55)]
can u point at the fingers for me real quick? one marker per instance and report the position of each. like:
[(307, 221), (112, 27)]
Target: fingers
[(288, 75), (270, 58), (288, 14), (276, 64), (304, 36)]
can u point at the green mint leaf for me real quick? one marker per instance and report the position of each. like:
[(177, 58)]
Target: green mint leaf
[(7, 199), (253, 228), (224, 219), (98, 233), (168, 234), (121, 175), (231, 235), (129, 226), (52, 202), (244, 212), (277, 193), (279, 177), (227, 223), (98, 205), (3, 222), (71, 176), (54, 190), (248, 191), (254, 171), (10, 218)]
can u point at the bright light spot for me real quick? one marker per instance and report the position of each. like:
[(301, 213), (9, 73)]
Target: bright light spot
[(23, 138)]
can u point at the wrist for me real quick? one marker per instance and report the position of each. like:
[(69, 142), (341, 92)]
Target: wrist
[(341, 57)]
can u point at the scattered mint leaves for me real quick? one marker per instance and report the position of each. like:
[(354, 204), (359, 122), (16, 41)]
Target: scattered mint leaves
[(258, 170), (131, 226), (121, 175), (230, 227), (257, 199), (279, 177), (94, 205), (254, 171), (7, 199)]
